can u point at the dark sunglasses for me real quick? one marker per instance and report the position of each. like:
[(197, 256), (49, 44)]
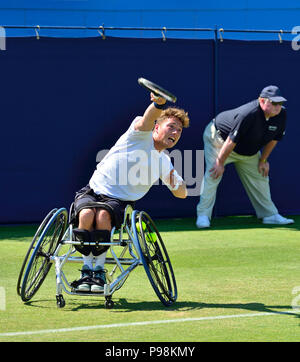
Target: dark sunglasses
[(276, 103)]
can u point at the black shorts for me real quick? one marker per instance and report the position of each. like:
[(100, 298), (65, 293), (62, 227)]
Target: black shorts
[(86, 198)]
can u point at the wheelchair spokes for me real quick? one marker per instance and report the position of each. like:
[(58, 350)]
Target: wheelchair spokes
[(32, 248), (156, 259), (39, 263)]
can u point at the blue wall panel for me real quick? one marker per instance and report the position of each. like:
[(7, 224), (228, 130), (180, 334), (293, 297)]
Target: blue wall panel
[(62, 103)]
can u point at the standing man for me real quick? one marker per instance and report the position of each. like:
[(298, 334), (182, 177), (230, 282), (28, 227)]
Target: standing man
[(238, 136), (114, 184)]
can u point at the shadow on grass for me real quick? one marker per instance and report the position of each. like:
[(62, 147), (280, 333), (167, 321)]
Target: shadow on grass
[(185, 306), (124, 305), (223, 223)]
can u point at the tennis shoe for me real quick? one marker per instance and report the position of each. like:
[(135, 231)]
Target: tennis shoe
[(86, 273), (202, 222), (277, 219), (99, 280)]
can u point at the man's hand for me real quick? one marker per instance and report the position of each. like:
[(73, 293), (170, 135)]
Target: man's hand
[(217, 170), (157, 99), (263, 165), (171, 178), (263, 168)]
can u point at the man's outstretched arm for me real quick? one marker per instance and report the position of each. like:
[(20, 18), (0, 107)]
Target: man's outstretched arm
[(146, 123)]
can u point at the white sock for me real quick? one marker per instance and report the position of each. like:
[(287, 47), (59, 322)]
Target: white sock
[(88, 260), (100, 260)]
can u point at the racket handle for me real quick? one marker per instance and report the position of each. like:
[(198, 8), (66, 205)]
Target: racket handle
[(156, 96)]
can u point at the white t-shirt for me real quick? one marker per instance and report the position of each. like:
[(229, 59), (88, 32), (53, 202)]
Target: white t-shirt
[(131, 167)]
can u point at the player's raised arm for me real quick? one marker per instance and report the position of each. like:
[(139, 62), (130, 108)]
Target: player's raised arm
[(146, 123)]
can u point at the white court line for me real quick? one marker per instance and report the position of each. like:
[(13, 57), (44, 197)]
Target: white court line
[(146, 323)]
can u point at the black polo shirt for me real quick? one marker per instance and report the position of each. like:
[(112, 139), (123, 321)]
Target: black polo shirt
[(248, 128)]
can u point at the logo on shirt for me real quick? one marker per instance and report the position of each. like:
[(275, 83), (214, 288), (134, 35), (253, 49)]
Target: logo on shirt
[(142, 168), (272, 128)]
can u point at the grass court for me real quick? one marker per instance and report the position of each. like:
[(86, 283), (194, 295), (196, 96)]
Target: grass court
[(238, 281)]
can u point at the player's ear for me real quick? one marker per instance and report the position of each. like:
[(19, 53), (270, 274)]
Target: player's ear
[(156, 127)]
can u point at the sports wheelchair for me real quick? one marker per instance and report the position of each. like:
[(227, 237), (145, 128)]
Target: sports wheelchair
[(137, 242)]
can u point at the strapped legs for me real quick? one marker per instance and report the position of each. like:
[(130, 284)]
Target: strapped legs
[(94, 226), (97, 236)]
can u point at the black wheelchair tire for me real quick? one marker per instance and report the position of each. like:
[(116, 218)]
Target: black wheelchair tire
[(32, 247), (155, 259), (39, 263)]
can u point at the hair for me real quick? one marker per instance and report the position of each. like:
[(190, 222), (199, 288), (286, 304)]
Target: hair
[(178, 113)]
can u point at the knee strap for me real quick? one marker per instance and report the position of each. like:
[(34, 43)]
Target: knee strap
[(84, 236), (94, 236), (101, 236)]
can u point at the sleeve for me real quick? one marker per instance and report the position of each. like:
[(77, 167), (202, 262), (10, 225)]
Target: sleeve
[(138, 134)]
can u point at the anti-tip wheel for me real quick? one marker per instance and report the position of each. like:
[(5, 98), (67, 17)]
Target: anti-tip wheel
[(60, 302), (109, 304)]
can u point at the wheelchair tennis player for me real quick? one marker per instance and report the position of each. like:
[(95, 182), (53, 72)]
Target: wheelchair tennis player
[(114, 184)]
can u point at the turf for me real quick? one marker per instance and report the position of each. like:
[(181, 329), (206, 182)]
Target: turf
[(238, 267)]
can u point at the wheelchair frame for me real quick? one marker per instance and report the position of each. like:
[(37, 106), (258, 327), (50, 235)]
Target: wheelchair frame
[(143, 243)]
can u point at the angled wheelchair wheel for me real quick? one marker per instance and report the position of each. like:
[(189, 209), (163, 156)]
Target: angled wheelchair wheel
[(44, 245), (32, 247), (155, 258)]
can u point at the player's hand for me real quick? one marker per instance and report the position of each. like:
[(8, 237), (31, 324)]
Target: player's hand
[(217, 170), (157, 99), (264, 168), (171, 178)]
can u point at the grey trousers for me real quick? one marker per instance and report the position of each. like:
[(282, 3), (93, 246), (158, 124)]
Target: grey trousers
[(256, 186)]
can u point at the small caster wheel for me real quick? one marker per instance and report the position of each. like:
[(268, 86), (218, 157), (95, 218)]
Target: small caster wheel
[(109, 304), (60, 302)]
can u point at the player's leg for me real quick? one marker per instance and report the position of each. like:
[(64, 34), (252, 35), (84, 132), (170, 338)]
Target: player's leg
[(82, 233), (85, 219), (109, 215), (103, 226)]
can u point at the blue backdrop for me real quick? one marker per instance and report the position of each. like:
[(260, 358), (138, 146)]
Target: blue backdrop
[(63, 100), (227, 14)]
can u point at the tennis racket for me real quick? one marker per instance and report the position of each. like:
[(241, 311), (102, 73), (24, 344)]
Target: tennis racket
[(157, 90)]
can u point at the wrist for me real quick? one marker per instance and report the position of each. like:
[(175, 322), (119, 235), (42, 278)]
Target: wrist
[(160, 106), (263, 160), (219, 161)]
